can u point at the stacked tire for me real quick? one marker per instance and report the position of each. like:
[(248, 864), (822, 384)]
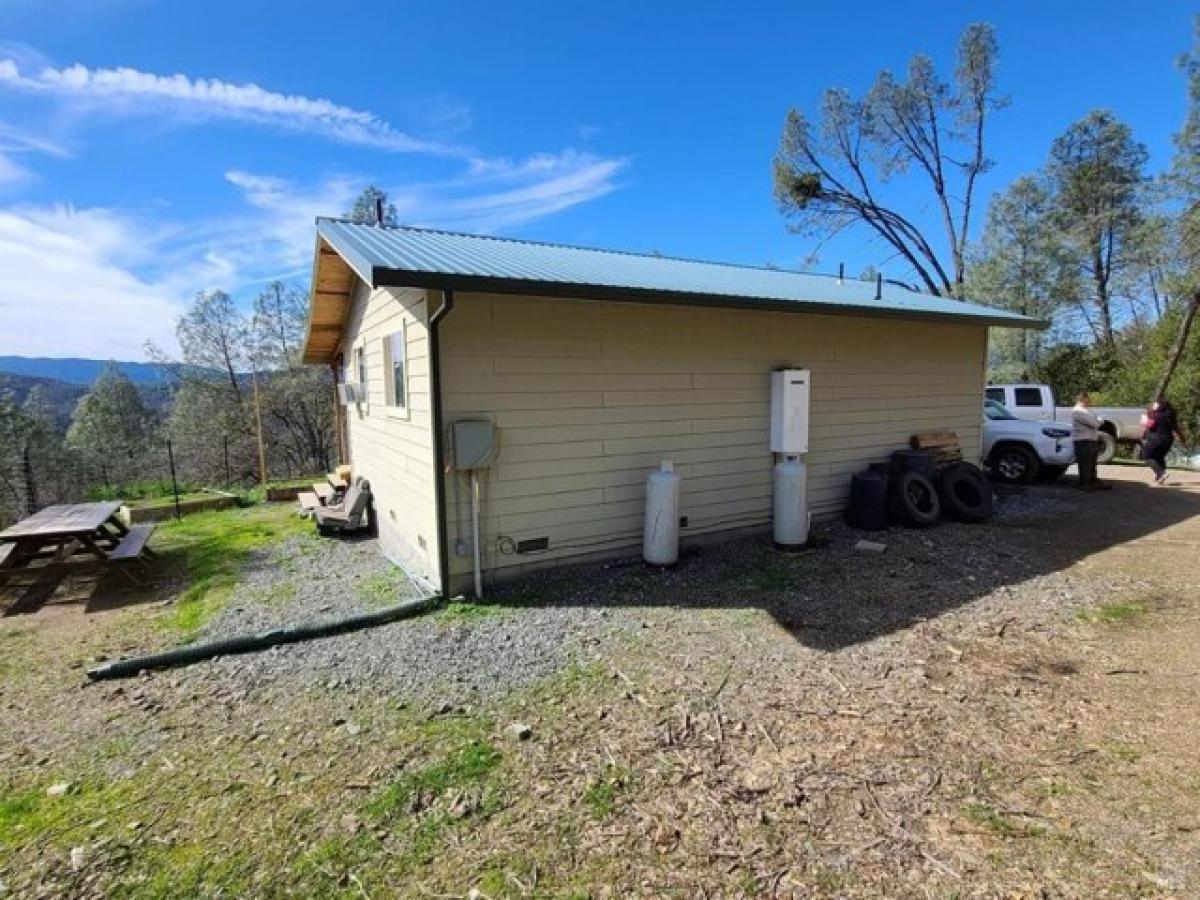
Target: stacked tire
[(965, 493), (910, 490)]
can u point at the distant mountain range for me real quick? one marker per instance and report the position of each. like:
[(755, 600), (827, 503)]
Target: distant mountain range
[(64, 381), (73, 370)]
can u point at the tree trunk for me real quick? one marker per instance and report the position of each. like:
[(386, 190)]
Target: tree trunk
[(1185, 326)]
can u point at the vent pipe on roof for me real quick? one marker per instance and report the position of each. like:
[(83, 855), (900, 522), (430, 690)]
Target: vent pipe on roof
[(878, 285), (841, 272), (379, 212)]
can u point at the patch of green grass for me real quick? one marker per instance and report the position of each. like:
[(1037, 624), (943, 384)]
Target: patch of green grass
[(213, 547), (19, 815), (471, 764), (1123, 752), (385, 588), (185, 871), (30, 814), (771, 573), (1112, 613), (11, 641), (601, 795), (465, 613), (161, 502), (834, 880), (279, 594), (999, 823), (140, 490)]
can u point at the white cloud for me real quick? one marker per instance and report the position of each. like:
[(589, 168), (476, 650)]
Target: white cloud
[(10, 172), (516, 194), (67, 290), (492, 196), (132, 91)]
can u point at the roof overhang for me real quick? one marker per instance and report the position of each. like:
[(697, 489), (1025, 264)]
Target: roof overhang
[(329, 304)]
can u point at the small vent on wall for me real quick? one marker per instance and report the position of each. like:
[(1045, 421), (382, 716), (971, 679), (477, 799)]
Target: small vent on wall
[(533, 545)]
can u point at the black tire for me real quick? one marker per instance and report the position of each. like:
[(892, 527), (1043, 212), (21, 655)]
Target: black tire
[(1015, 464), (916, 499), (965, 494), (1052, 473), (1108, 448)]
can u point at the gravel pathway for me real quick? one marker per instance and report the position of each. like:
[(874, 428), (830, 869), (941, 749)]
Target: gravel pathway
[(469, 654), (460, 655)]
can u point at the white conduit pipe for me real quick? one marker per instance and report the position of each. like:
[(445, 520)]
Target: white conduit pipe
[(476, 551)]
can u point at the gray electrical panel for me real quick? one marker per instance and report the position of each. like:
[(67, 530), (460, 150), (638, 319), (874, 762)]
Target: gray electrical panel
[(474, 443)]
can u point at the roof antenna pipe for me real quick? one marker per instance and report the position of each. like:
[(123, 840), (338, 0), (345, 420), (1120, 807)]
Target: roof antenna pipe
[(878, 285), (841, 272), (379, 211)]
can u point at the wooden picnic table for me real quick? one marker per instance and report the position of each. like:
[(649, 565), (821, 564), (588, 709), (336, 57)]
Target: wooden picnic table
[(66, 533)]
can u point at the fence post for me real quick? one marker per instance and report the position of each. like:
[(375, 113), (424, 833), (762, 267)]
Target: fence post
[(225, 442), (174, 482)]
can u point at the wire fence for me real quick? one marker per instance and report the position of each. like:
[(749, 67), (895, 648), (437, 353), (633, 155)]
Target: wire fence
[(166, 469)]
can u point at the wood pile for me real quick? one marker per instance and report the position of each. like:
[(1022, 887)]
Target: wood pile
[(943, 446)]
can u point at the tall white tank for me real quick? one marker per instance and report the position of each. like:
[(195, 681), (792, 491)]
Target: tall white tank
[(790, 482), (660, 540)]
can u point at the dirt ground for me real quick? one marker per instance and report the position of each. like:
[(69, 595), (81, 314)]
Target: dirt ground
[(1005, 710)]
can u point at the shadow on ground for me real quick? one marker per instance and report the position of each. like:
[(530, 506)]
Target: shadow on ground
[(834, 597)]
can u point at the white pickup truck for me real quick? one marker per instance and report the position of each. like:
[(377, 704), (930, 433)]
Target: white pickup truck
[(1035, 403)]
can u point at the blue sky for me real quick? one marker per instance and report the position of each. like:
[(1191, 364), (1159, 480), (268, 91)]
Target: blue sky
[(151, 150)]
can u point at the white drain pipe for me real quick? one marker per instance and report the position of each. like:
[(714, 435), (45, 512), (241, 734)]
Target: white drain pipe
[(477, 553)]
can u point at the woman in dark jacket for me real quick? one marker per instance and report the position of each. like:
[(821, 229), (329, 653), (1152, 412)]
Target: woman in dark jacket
[(1161, 430)]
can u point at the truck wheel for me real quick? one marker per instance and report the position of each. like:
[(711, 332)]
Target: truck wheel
[(1108, 448), (916, 498), (1016, 464), (965, 493)]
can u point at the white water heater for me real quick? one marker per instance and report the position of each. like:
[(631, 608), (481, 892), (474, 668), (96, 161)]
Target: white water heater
[(660, 539), (790, 395)]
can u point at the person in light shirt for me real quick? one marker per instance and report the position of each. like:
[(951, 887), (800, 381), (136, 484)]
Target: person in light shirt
[(1085, 432)]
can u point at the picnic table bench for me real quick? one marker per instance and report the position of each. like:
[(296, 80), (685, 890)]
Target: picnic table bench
[(72, 533)]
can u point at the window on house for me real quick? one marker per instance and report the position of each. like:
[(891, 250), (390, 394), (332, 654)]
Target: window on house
[(360, 372), (395, 361)]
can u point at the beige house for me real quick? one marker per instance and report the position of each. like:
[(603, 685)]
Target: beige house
[(593, 367)]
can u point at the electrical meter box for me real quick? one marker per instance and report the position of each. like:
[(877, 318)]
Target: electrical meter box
[(790, 394), (474, 443)]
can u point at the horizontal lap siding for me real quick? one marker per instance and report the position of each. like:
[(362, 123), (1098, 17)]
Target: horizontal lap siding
[(588, 398), (393, 451)]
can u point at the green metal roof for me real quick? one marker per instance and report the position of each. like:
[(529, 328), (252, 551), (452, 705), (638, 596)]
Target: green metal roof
[(419, 257)]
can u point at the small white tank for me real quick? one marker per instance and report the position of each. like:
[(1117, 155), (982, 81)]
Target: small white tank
[(660, 540), (790, 482)]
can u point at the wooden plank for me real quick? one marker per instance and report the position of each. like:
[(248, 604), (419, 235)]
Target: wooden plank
[(925, 439), (133, 545)]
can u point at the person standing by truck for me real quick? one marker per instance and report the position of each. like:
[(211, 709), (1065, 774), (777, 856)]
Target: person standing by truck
[(1085, 433), (1162, 427)]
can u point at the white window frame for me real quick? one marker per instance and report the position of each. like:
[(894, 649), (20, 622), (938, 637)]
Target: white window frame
[(396, 406), (358, 364)]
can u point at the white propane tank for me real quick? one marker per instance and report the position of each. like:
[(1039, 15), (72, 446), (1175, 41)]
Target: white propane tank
[(660, 541), (790, 481)]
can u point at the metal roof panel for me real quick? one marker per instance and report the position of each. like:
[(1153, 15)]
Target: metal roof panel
[(425, 256)]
